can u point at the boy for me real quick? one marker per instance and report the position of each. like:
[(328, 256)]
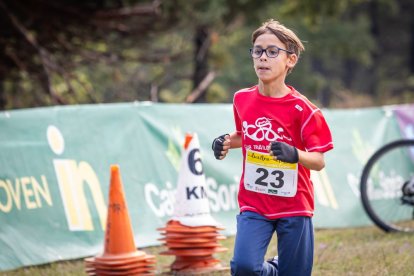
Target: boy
[(283, 136)]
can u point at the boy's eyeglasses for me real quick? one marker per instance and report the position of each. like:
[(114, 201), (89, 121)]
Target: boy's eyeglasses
[(271, 52)]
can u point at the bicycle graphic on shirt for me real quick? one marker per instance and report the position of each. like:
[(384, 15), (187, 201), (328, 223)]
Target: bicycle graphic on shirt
[(262, 130), (387, 186)]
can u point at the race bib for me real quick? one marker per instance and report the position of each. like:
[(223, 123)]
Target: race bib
[(264, 175)]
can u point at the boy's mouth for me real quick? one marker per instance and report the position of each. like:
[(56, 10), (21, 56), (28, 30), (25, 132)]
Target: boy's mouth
[(263, 68)]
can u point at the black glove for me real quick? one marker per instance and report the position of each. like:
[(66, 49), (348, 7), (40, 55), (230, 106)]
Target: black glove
[(284, 152), (217, 146)]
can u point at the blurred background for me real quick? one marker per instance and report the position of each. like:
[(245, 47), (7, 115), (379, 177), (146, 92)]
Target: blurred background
[(358, 52)]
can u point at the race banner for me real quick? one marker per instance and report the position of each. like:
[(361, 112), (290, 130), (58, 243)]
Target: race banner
[(55, 168)]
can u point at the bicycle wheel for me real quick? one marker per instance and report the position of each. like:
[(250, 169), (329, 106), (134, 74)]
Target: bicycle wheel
[(387, 182)]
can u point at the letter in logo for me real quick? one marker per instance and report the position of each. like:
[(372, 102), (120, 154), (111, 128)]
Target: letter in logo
[(323, 189), (71, 178)]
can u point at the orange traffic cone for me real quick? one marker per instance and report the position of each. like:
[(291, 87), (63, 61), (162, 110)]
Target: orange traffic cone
[(193, 247), (192, 233), (120, 255)]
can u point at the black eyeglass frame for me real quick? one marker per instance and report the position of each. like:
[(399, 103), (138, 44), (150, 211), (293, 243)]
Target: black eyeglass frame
[(265, 50)]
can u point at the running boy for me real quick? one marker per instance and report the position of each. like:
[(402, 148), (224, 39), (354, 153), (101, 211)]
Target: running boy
[(283, 136)]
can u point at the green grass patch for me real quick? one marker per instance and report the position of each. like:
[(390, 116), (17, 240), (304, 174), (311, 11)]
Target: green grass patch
[(355, 251)]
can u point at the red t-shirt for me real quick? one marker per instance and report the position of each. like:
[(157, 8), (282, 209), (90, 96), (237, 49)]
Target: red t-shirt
[(277, 190)]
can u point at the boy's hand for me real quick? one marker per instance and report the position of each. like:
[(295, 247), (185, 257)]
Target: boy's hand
[(221, 146), (284, 152)]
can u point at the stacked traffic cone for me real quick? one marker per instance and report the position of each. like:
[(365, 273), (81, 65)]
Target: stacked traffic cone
[(120, 255), (192, 234)]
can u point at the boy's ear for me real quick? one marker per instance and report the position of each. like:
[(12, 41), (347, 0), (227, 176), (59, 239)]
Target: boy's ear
[(292, 60)]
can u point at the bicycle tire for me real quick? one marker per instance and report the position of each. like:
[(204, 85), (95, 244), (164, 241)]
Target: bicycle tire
[(375, 210)]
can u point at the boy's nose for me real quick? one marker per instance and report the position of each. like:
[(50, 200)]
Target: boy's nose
[(263, 56)]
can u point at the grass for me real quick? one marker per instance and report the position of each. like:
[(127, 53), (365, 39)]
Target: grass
[(355, 251)]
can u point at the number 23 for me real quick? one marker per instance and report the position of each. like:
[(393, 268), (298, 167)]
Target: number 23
[(265, 173)]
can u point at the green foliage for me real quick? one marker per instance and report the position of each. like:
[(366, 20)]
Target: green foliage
[(177, 93), (217, 94), (360, 46)]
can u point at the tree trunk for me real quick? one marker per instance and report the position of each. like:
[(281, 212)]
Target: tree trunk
[(202, 47), (375, 32), (412, 46), (3, 101)]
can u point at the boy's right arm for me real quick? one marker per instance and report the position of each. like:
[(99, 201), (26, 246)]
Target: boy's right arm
[(223, 143)]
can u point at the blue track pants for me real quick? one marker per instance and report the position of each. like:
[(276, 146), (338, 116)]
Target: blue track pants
[(294, 246)]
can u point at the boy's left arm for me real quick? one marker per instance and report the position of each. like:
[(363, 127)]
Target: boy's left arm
[(290, 154), (312, 160)]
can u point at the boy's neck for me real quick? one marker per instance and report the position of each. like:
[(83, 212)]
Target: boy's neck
[(274, 90)]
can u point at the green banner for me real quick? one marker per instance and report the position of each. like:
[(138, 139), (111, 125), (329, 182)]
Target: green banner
[(55, 169)]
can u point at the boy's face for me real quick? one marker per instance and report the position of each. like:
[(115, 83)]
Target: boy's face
[(269, 69)]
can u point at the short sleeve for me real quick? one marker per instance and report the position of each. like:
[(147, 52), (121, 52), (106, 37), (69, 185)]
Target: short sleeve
[(237, 120), (316, 134)]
